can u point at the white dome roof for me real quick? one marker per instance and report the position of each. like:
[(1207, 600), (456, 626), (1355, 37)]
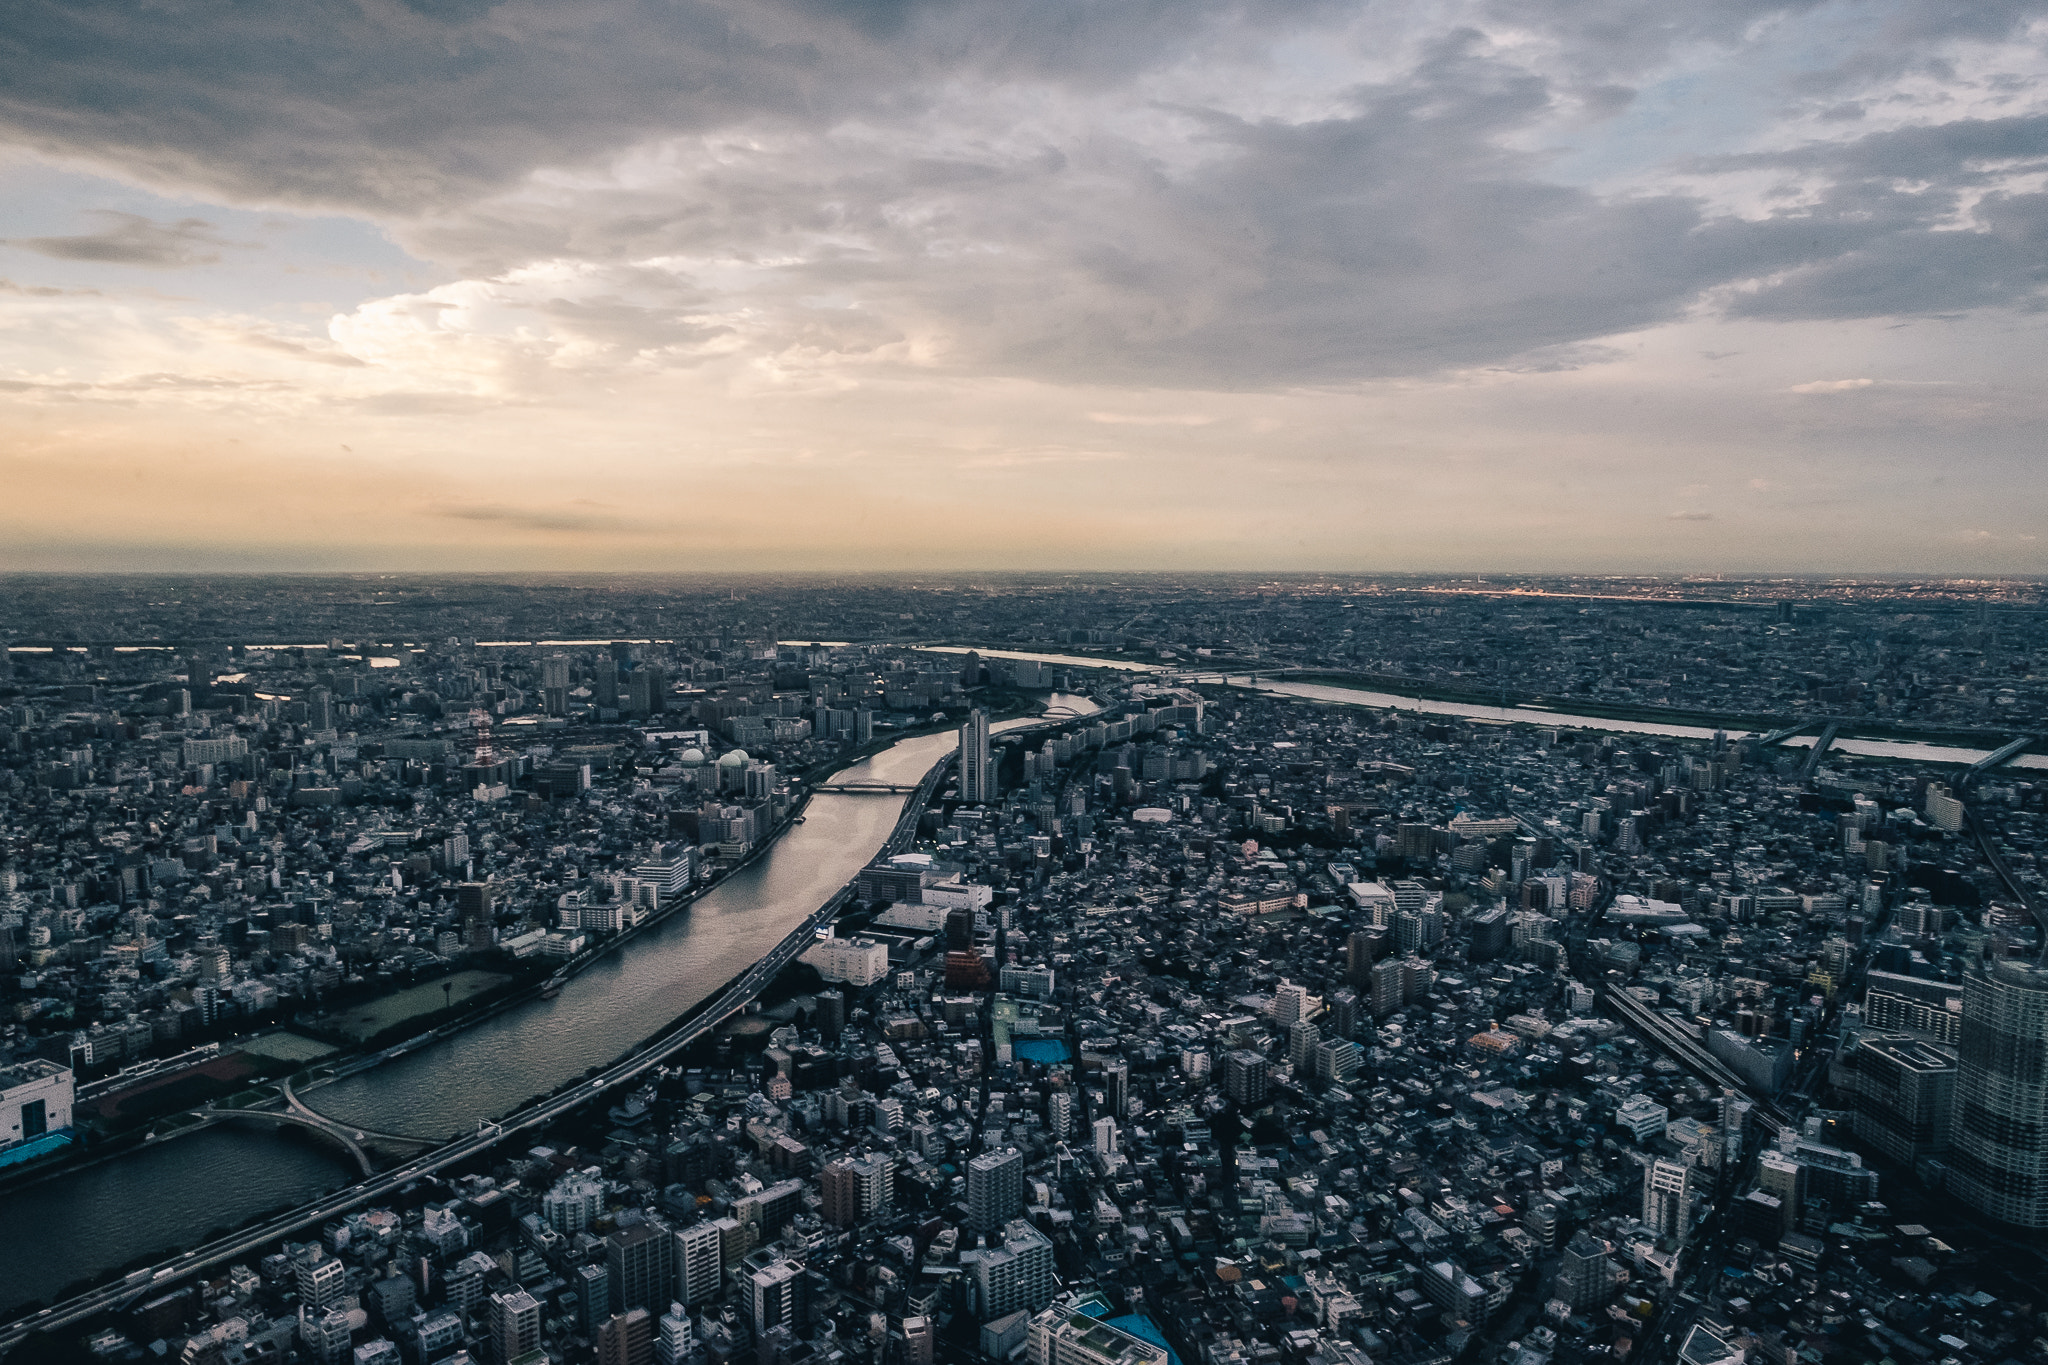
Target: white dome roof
[(690, 758), (735, 758)]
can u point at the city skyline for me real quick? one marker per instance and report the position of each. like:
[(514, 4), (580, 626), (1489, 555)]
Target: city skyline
[(916, 287)]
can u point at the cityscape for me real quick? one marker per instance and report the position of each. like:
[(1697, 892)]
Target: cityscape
[(1081, 970), (1024, 682)]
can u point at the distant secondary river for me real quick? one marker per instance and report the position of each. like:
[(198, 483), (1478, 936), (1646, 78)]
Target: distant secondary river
[(169, 1196), (1533, 715)]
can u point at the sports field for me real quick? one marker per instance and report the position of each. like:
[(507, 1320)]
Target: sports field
[(371, 1018)]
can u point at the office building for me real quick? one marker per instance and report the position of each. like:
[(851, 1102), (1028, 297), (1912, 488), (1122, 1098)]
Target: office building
[(995, 1189), (641, 1260), (1999, 1152), (977, 783), (1904, 1091)]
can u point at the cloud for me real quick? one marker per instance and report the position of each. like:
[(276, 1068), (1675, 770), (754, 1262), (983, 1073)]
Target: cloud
[(564, 519), (1690, 516), (130, 239), (43, 291), (1139, 419), (1827, 386), (1159, 194)]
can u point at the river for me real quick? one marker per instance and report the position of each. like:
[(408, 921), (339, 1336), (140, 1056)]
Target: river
[(1913, 750), (165, 1197)]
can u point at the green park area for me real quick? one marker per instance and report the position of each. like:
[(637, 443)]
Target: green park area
[(359, 1023)]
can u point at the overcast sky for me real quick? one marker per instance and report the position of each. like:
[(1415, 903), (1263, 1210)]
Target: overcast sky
[(1508, 284)]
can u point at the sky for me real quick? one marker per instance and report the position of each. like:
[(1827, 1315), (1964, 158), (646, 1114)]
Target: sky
[(1579, 285)]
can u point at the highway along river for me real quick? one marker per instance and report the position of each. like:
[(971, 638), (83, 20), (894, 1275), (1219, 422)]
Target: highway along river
[(169, 1196)]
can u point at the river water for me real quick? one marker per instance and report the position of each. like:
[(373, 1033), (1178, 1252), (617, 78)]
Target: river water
[(166, 1197), (1533, 715)]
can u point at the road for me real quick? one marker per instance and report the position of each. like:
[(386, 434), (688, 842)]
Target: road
[(536, 1115)]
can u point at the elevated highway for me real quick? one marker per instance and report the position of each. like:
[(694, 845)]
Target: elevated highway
[(374, 1186)]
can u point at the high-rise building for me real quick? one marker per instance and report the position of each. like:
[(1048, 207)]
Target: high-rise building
[(1905, 1090), (626, 1339), (515, 1325), (1384, 985), (776, 1297), (995, 1189), (1059, 1113), (1116, 1088), (554, 684), (699, 1257), (1337, 1060), (322, 1279), (977, 783), (573, 1204), (593, 1285), (1785, 1181), (1247, 1076), (1302, 1038), (606, 683), (1291, 1004), (1344, 1013), (1013, 1274), (855, 1188), (1667, 1198), (1998, 1156), (1105, 1136), (1585, 1277), (641, 1260)]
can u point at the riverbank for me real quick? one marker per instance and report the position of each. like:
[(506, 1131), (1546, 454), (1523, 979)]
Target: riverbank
[(568, 1092)]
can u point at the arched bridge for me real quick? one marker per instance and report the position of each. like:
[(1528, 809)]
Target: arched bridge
[(358, 1141)]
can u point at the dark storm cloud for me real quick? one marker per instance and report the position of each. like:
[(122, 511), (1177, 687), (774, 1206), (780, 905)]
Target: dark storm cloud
[(130, 239), (388, 106)]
